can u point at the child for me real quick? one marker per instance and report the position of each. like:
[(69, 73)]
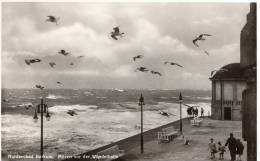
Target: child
[(212, 148), (222, 150), (186, 141)]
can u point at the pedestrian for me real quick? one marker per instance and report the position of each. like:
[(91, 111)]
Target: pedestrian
[(232, 144), (196, 112), (213, 148), (240, 149), (202, 112), (186, 140), (193, 111), (222, 150), (189, 111)]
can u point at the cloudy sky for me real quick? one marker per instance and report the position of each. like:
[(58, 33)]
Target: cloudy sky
[(159, 31)]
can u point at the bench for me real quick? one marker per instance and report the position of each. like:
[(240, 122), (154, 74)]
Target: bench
[(110, 153), (167, 134), (196, 121)]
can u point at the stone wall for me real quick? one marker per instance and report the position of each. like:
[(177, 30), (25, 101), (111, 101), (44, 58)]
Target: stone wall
[(248, 62)]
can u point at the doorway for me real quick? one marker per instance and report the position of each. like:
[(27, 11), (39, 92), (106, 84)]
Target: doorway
[(227, 113)]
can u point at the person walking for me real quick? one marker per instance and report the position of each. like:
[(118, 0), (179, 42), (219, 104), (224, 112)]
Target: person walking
[(232, 144), (202, 112), (212, 148), (240, 149), (193, 111), (196, 112)]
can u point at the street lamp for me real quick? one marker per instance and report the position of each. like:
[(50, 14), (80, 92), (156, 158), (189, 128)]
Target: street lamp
[(180, 100), (41, 108), (141, 103)]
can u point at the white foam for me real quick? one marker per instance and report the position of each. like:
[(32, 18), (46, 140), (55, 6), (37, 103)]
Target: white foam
[(52, 96), (87, 93), (97, 126), (65, 108)]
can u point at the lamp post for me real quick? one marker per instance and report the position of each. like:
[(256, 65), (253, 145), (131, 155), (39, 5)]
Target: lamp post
[(41, 108), (180, 100), (141, 103)]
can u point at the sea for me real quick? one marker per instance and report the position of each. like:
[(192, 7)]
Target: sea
[(102, 116)]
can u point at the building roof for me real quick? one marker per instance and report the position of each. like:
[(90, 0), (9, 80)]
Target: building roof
[(231, 71)]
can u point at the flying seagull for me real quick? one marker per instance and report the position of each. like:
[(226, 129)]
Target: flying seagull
[(39, 86), (52, 64), (53, 19), (27, 106), (200, 37), (63, 52), (213, 72), (138, 57), (167, 114), (206, 52), (116, 33), (172, 63), (80, 57), (59, 82), (142, 69), (30, 61), (154, 72), (71, 112)]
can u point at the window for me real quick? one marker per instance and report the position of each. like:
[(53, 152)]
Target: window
[(240, 88), (228, 91), (218, 90)]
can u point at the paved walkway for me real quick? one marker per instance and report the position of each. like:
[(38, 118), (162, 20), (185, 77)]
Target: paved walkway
[(197, 150)]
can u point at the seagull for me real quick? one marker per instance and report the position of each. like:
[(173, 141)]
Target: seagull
[(200, 37), (30, 61), (154, 72), (27, 106), (80, 57), (138, 57), (206, 52), (63, 52), (116, 33), (52, 64), (71, 112), (172, 63), (39, 86), (53, 19), (5, 100), (142, 69), (59, 82), (213, 72)]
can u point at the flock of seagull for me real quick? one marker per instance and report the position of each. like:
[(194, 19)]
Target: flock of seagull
[(116, 34)]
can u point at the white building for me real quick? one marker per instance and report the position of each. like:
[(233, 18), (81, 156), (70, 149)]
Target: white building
[(227, 88)]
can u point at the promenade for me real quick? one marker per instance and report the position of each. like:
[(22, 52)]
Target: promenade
[(198, 148), (176, 150)]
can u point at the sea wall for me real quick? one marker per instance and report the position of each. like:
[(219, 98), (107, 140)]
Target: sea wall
[(132, 141)]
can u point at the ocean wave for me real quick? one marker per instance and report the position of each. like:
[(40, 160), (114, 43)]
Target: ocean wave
[(198, 97), (78, 108), (118, 90), (53, 97), (101, 97), (87, 93), (27, 104)]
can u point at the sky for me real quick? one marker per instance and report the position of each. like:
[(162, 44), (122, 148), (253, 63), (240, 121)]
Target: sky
[(158, 31)]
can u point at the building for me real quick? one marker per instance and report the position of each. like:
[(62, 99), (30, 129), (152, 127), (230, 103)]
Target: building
[(248, 65), (239, 80), (227, 86)]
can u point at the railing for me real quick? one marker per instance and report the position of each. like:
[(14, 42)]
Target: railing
[(231, 103)]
